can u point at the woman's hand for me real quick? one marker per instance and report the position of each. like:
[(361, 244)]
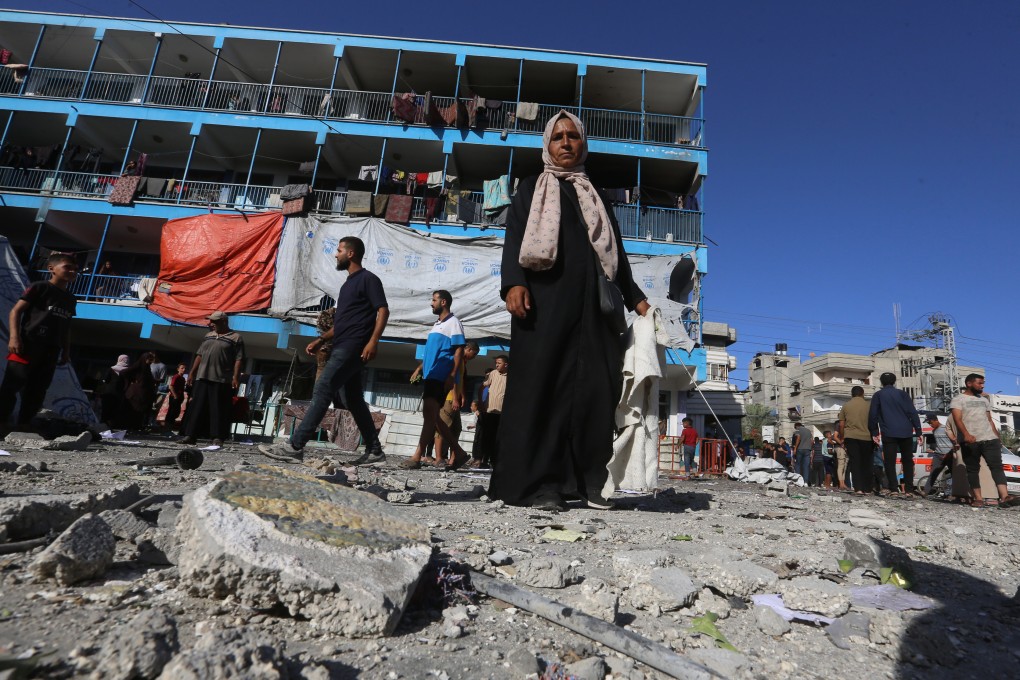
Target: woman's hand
[(518, 301), (642, 307)]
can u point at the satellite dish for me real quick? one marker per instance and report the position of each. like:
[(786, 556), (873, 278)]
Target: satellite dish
[(681, 280)]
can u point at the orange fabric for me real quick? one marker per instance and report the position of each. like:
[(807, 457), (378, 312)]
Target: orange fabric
[(210, 262)]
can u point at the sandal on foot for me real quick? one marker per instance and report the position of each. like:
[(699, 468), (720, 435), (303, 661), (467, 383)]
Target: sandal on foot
[(410, 464), (1009, 501), (458, 462)]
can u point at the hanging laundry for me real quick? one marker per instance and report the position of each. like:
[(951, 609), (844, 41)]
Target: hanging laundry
[(399, 209), (497, 217), (434, 179), (493, 104), (306, 168), (421, 178), (369, 173), (171, 183), (5, 57), (124, 190), (324, 105), (295, 206), (292, 191), (527, 110), (358, 203), (431, 203), (404, 108), (20, 70), (469, 211), (379, 202), (154, 186), (449, 114), (616, 195), (143, 159), (399, 176), (497, 192), (452, 204)]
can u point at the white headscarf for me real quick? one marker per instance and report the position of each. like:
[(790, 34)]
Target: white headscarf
[(542, 234), (123, 363)]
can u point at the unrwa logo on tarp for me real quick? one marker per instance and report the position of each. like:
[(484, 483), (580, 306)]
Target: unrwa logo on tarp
[(385, 257), (440, 263), (468, 265), (649, 282), (411, 260), (495, 268), (329, 245)]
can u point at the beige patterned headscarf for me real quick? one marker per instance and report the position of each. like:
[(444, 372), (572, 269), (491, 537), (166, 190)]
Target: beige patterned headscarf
[(542, 234)]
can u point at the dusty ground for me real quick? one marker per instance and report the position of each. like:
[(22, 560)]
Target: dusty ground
[(966, 560)]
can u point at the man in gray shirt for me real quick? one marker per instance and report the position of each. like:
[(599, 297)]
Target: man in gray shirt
[(941, 446), (802, 442), (979, 438)]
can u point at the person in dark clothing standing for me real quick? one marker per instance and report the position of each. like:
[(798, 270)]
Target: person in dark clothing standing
[(358, 324), (40, 338), (892, 414), (802, 452), (556, 434), (853, 432), (215, 374)]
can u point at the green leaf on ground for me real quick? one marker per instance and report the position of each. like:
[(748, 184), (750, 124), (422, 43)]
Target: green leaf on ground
[(923, 548), (846, 566), (683, 537), (705, 625)]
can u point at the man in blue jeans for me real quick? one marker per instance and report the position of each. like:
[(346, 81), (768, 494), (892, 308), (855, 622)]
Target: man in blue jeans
[(361, 315), (892, 414)]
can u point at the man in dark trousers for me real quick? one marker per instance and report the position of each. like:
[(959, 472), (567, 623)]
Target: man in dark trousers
[(854, 433), (358, 324), (40, 338), (215, 374), (892, 414)]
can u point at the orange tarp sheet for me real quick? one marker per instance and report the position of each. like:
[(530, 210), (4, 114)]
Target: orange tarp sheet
[(212, 262)]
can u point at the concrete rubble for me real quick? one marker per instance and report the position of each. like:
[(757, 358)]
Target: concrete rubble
[(83, 551), (274, 538), (265, 572)]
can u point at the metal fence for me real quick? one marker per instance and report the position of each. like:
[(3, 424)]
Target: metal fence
[(261, 98), (105, 287)]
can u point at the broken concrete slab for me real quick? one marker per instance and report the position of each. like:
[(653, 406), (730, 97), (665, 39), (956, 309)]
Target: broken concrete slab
[(864, 518), (630, 563), (871, 553), (816, 595), (70, 442), (668, 589), (158, 546), (83, 551), (741, 578), (226, 655), (269, 537), (24, 440), (771, 623), (846, 631), (139, 648), (592, 668), (546, 572), (33, 516), (597, 598), (125, 525)]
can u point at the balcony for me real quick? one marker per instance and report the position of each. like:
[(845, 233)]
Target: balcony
[(657, 224), (838, 388), (329, 104)]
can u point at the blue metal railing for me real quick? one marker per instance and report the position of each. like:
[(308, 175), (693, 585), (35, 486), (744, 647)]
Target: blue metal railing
[(337, 104), (107, 287)]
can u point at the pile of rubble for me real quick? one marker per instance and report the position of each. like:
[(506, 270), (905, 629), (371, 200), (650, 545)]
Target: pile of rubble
[(239, 569)]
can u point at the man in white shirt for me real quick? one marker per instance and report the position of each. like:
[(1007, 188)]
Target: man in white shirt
[(979, 439)]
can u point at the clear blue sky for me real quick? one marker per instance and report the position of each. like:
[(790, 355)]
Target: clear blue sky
[(862, 154)]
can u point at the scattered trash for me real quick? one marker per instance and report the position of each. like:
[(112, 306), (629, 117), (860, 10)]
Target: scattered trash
[(706, 626), (568, 535), (113, 434), (4, 453), (211, 447), (891, 575)]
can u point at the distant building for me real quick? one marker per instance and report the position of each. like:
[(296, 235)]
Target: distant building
[(813, 391)]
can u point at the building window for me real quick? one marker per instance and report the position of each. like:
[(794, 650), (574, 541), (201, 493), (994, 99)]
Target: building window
[(718, 372), (756, 387)]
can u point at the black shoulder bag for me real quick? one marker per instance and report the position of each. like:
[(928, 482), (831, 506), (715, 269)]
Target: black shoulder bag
[(610, 299)]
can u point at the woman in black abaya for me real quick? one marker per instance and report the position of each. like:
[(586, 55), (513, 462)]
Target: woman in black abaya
[(556, 432)]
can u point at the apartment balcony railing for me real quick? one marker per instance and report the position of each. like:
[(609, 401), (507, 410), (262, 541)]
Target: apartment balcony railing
[(101, 287), (636, 222), (335, 104)]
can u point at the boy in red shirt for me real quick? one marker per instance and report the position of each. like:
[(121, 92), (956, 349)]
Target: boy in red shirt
[(689, 440)]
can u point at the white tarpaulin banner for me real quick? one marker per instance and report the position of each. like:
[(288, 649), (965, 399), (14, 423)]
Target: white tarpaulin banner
[(65, 396), (412, 264)]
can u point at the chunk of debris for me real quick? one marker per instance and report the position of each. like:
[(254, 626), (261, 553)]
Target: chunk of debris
[(546, 572), (83, 551), (33, 516), (270, 537), (139, 648), (228, 654), (70, 442), (125, 525)]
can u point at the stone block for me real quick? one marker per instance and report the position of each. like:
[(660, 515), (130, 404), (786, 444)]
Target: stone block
[(815, 595), (741, 578), (33, 516), (546, 572), (345, 560), (770, 622), (228, 655), (631, 563), (125, 525), (667, 589), (592, 668), (158, 546), (139, 648), (83, 551), (70, 442), (871, 553)]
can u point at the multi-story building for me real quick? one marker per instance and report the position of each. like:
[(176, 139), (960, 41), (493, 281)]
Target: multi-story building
[(226, 116), (814, 390)]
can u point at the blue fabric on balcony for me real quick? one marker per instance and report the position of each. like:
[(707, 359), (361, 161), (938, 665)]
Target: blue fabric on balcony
[(497, 193)]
